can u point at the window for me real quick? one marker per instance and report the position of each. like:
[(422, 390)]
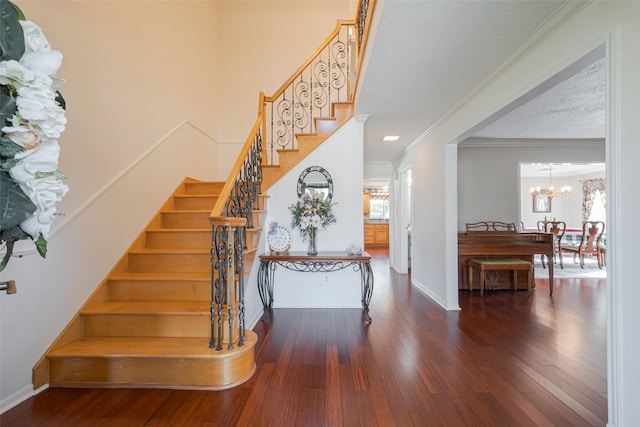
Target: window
[(379, 209), (598, 211)]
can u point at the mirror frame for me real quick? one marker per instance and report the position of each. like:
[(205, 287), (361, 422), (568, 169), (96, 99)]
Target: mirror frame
[(307, 171)]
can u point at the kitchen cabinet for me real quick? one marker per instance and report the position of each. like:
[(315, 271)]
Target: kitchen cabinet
[(376, 234)]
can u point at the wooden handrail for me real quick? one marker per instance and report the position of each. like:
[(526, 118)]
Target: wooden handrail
[(235, 170)]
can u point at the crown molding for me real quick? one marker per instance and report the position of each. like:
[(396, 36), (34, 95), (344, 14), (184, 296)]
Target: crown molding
[(530, 142)]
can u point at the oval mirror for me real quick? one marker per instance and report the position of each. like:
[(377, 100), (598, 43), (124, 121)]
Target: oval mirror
[(315, 179)]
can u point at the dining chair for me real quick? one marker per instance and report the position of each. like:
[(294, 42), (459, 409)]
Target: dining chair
[(591, 244), (557, 228)]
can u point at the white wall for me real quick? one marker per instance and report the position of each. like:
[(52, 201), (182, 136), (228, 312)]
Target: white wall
[(148, 86), (567, 209), (341, 156), (614, 23), (488, 179), (429, 260)]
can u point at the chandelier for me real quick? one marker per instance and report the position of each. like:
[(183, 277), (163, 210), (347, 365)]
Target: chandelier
[(550, 191)]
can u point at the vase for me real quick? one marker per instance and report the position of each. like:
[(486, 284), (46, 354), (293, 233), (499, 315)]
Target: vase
[(312, 250)]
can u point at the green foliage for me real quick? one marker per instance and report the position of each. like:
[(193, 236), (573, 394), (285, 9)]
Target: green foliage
[(10, 237), (41, 245), (7, 105), (15, 206), (11, 34), (8, 148)]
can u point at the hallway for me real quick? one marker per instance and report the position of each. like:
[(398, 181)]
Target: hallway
[(506, 359)]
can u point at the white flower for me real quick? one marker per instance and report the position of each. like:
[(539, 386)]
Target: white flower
[(34, 39), (38, 121), (44, 191), (43, 158), (13, 73), (39, 108), (316, 221), (304, 223), (45, 62), (23, 136)]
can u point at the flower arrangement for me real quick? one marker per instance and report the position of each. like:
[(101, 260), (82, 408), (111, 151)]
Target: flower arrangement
[(309, 213), (32, 117)]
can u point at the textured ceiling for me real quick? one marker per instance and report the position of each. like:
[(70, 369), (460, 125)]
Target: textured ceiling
[(573, 109), (428, 55)]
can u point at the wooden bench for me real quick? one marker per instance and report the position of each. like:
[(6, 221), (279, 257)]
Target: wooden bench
[(494, 264)]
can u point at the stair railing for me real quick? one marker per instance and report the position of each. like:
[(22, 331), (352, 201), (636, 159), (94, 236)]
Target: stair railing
[(230, 217), (328, 76), (324, 78)]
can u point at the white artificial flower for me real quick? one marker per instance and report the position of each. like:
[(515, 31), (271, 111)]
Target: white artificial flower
[(23, 136), (13, 73), (56, 83), (44, 191), (39, 107), (46, 62), (36, 124), (304, 223), (34, 39), (316, 221), (43, 158)]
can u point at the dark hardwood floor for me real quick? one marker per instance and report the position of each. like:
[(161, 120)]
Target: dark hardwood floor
[(507, 359)]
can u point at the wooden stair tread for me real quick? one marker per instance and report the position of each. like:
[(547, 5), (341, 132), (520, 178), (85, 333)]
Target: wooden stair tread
[(167, 347), (175, 277), (191, 230), (182, 211), (150, 307), (165, 251), (178, 230)]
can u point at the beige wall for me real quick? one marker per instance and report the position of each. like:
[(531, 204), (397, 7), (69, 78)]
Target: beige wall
[(262, 44), (134, 71)]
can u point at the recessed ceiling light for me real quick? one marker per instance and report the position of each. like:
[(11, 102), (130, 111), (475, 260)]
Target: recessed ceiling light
[(391, 138)]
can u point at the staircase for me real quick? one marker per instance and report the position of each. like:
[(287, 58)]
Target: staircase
[(148, 324), (324, 127), (159, 319)]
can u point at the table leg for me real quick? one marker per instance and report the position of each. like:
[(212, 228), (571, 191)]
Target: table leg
[(366, 275), (265, 286), (551, 279)]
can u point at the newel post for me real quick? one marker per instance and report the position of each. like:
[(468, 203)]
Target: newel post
[(227, 282)]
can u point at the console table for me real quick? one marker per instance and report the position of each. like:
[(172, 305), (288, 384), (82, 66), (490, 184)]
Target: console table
[(324, 262)]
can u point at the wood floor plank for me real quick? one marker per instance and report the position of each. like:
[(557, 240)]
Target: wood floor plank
[(506, 359)]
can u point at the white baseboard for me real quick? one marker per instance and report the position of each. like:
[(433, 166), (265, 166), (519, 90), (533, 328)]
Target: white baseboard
[(18, 397), (431, 295)]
